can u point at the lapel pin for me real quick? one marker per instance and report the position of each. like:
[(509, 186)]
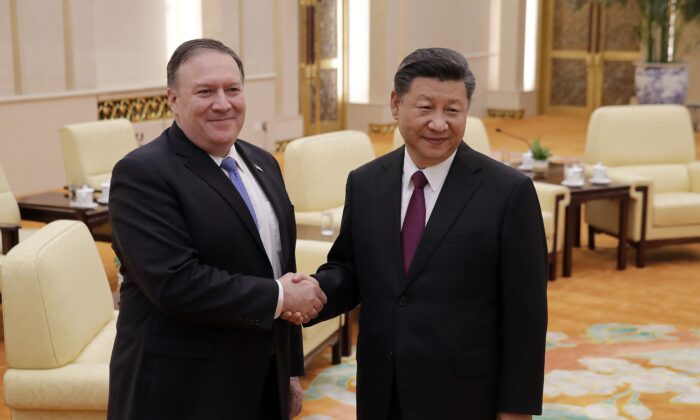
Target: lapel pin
[(258, 167)]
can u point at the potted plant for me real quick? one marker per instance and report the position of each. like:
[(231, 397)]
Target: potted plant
[(539, 156), (659, 76)]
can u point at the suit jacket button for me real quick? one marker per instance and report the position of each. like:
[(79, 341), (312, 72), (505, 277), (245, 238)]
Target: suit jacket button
[(390, 355), (403, 301)]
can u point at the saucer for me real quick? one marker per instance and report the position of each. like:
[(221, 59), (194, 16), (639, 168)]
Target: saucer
[(83, 206), (103, 202), (601, 181), (525, 167), (568, 183)]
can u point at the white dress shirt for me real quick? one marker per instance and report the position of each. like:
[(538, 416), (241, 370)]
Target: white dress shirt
[(268, 225), (436, 176)]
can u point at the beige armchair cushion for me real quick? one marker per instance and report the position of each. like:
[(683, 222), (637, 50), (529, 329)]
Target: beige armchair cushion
[(310, 255), (676, 209), (59, 325), (90, 150)]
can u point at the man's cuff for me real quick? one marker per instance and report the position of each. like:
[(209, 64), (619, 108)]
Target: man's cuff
[(280, 300)]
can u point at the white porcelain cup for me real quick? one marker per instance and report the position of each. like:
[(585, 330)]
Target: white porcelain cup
[(527, 160), (573, 174), (104, 196), (600, 172), (83, 196)]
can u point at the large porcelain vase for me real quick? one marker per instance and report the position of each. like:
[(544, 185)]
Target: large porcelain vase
[(661, 83)]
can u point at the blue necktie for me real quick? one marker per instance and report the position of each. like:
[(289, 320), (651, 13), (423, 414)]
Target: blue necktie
[(229, 164)]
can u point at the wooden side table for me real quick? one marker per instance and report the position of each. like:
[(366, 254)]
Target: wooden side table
[(579, 196), (53, 205)]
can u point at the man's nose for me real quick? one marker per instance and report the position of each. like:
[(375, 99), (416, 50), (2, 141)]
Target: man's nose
[(438, 122), (221, 103)]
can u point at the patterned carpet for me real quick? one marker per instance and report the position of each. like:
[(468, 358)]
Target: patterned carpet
[(609, 371)]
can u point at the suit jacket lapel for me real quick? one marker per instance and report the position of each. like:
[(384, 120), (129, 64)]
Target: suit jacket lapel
[(272, 191), (197, 161), (388, 190), (462, 181)]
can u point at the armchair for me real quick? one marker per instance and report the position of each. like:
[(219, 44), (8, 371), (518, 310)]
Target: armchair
[(59, 325), (651, 148), (90, 150), (553, 198), (310, 255), (315, 172)]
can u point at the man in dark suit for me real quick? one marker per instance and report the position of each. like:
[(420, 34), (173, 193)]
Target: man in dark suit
[(445, 250), (203, 226)]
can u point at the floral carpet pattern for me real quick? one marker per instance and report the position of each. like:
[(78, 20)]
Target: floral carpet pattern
[(609, 371)]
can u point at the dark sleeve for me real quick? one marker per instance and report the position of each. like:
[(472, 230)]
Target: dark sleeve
[(153, 243), (337, 276), (523, 285)]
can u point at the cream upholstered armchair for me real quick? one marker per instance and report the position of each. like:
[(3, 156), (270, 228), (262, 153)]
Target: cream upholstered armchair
[(310, 255), (315, 172), (59, 325), (9, 216), (90, 150), (10, 220), (553, 198), (651, 148)]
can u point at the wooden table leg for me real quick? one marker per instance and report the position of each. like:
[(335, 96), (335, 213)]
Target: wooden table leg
[(577, 226), (622, 233)]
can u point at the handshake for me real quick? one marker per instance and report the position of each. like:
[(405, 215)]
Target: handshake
[(303, 298)]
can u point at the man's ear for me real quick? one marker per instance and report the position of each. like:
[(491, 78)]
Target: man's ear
[(172, 100), (395, 102)]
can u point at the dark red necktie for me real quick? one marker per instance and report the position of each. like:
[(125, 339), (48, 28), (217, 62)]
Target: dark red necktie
[(414, 221)]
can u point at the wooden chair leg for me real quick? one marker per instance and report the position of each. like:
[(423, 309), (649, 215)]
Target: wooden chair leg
[(641, 254), (335, 352), (591, 237), (552, 266)]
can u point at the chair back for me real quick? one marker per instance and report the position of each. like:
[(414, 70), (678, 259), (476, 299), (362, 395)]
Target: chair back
[(474, 135), (90, 150), (316, 167), (56, 298), (640, 135), (9, 210), (311, 254)]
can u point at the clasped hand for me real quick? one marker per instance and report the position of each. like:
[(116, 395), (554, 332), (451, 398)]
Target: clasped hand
[(303, 298)]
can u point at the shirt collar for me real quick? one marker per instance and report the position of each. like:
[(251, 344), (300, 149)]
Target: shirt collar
[(435, 174), (231, 153)]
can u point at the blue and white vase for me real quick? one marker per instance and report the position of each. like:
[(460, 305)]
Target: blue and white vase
[(661, 83)]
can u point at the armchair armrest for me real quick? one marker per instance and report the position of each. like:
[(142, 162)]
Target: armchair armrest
[(694, 176), (10, 236), (547, 194)]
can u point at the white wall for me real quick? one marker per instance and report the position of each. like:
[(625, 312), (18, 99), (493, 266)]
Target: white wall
[(130, 43)]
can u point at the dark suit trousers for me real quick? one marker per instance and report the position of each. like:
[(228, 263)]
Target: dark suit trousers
[(269, 407)]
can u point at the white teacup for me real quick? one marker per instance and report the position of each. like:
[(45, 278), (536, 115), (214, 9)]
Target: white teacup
[(573, 174), (600, 172), (104, 196), (527, 160), (83, 196)]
